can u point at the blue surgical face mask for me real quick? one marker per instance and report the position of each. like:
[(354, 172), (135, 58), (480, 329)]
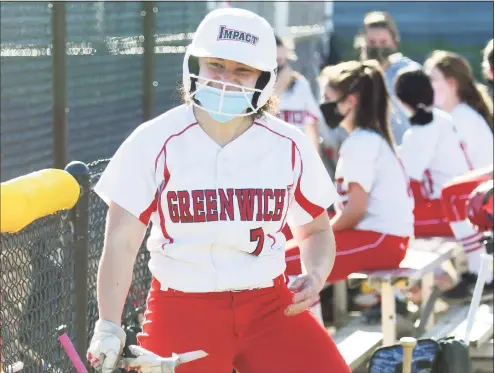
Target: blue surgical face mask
[(234, 102)]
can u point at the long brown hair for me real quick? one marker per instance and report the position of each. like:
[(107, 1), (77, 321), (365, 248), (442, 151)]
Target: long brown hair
[(456, 67), (365, 79)]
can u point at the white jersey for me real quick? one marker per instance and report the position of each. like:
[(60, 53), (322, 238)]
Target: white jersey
[(475, 133), (366, 158), (299, 107), (217, 212), (434, 154)]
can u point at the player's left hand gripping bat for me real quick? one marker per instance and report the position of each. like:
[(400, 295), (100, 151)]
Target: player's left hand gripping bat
[(145, 361), (148, 362)]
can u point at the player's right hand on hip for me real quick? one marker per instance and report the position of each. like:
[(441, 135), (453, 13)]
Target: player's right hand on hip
[(106, 346), (306, 289)]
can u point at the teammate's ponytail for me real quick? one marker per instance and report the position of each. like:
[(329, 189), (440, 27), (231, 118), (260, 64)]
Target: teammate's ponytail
[(413, 88), (365, 80), (374, 111), (456, 67)]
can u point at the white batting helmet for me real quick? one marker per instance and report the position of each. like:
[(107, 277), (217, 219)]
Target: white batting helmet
[(238, 35)]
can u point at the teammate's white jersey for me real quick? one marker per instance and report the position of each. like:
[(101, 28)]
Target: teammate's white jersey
[(297, 105), (366, 158), (434, 154), (475, 133), (217, 212)]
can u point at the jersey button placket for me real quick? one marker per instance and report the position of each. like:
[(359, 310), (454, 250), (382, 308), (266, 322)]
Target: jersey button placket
[(216, 225), (220, 182)]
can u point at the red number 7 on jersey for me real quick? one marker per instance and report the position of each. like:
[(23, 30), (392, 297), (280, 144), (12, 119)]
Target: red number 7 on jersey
[(258, 235)]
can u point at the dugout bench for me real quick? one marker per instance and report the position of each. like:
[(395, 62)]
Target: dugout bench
[(358, 339)]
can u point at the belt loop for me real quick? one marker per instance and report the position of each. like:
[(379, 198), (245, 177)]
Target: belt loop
[(279, 280)]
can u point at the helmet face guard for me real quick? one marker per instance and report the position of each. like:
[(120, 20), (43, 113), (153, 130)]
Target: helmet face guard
[(242, 93), (216, 37)]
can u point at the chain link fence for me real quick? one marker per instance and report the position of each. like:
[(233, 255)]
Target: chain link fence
[(138, 292), (26, 89), (38, 282), (171, 41), (104, 67), (36, 267)]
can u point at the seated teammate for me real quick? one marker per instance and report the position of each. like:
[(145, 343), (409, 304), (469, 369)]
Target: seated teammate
[(457, 93), (297, 104), (431, 152), (374, 218)]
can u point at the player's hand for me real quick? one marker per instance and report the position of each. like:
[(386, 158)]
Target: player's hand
[(148, 362), (306, 289), (106, 346)]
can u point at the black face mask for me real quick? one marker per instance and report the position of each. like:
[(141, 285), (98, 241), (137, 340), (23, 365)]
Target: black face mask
[(379, 53), (331, 114)]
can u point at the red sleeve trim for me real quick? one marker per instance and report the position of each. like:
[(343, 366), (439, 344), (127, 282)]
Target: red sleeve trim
[(311, 208)]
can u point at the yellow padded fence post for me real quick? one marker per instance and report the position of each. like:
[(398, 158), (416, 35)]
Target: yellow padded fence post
[(35, 195)]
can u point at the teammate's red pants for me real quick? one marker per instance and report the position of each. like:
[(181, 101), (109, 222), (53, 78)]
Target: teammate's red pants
[(454, 195), (245, 330), (356, 251), (430, 219)]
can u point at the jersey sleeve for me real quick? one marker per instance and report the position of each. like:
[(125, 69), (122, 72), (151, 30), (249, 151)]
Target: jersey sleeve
[(417, 150), (313, 189), (359, 156), (129, 179)]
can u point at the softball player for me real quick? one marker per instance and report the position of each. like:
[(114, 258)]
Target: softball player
[(457, 93), (297, 105), (375, 214), (431, 152), (218, 178)]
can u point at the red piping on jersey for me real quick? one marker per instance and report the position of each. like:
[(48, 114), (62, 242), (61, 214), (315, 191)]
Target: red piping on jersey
[(146, 214), (308, 206), (289, 187), (166, 178)]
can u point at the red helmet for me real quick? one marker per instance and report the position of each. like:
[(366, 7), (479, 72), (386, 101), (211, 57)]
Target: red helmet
[(479, 208)]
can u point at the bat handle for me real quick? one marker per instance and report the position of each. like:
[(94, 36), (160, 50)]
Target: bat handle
[(408, 344)]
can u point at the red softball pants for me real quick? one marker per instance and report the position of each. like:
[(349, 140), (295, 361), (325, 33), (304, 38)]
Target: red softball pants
[(356, 251), (454, 196), (245, 330), (430, 219)]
